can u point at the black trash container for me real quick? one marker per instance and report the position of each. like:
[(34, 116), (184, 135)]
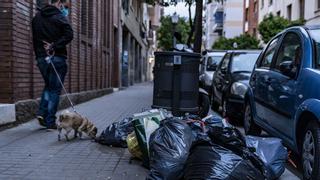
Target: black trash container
[(176, 81)]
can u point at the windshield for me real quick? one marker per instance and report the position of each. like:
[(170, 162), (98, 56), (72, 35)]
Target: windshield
[(213, 60), (244, 61), (315, 34)]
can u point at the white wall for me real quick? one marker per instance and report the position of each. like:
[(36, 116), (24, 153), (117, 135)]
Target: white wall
[(233, 19), (311, 13)]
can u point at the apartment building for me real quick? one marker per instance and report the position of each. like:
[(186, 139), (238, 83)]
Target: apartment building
[(233, 18), (93, 54), (251, 16)]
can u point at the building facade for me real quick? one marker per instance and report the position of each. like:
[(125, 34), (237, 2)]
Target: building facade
[(155, 13), (134, 42), (233, 18), (251, 17), (309, 10), (93, 55), (213, 26)]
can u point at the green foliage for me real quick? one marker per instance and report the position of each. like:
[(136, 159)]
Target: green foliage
[(272, 25), (165, 32), (243, 41)]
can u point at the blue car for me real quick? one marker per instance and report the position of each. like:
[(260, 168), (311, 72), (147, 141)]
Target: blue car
[(283, 96)]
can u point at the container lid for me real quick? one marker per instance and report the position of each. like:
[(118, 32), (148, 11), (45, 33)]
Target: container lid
[(176, 53)]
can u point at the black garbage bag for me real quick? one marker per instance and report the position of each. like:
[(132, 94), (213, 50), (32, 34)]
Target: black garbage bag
[(271, 151), (169, 149), (116, 134), (210, 161), (232, 139)]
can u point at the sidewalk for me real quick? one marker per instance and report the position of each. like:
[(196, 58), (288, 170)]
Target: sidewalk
[(29, 152)]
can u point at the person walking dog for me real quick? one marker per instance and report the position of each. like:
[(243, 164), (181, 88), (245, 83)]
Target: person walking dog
[(51, 33)]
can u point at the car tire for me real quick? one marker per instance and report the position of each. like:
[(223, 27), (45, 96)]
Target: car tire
[(204, 105), (214, 105), (310, 152), (250, 127)]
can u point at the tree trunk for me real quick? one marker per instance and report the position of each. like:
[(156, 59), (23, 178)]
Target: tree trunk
[(191, 33), (198, 26)]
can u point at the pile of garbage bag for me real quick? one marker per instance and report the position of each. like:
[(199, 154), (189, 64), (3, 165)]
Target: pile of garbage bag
[(116, 134), (189, 147), (169, 149), (211, 161)]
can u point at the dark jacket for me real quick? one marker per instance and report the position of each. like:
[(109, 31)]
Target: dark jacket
[(51, 26)]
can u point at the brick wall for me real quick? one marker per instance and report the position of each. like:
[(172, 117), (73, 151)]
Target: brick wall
[(252, 17), (93, 54)]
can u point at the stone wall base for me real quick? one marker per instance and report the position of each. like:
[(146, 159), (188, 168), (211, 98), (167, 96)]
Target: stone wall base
[(27, 109)]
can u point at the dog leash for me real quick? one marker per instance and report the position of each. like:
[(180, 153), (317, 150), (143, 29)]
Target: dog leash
[(49, 61)]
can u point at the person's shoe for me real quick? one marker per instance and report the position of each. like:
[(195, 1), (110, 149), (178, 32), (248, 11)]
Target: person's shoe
[(41, 121), (54, 126)]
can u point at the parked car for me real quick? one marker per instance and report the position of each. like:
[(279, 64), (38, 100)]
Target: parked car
[(210, 61), (284, 96), (230, 81)]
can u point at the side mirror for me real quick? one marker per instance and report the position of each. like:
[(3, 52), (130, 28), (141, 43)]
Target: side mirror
[(286, 68), (212, 67)]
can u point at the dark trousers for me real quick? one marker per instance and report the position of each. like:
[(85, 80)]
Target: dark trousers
[(52, 90)]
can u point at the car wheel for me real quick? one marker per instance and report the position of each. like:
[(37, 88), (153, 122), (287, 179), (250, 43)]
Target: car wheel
[(214, 105), (204, 105), (249, 125), (311, 152)]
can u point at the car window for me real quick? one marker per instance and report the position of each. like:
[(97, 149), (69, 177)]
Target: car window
[(225, 62), (289, 52), (269, 53), (315, 34), (213, 60), (243, 61)]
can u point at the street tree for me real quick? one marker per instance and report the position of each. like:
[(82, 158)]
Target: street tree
[(195, 32), (272, 25), (165, 34), (243, 41)]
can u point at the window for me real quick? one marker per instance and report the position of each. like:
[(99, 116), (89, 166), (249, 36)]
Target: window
[(255, 7), (247, 14), (262, 4), (290, 51), (213, 60), (301, 9), (315, 34), (225, 62), (289, 12), (269, 53), (270, 2), (318, 5), (279, 13), (243, 62), (84, 17)]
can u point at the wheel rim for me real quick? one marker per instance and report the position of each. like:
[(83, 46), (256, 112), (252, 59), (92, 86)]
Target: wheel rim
[(247, 119), (308, 154)]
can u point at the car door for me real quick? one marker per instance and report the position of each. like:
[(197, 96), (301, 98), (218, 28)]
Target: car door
[(282, 91), (221, 76), (260, 80)]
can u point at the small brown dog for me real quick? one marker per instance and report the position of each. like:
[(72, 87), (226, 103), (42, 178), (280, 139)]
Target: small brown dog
[(73, 121)]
